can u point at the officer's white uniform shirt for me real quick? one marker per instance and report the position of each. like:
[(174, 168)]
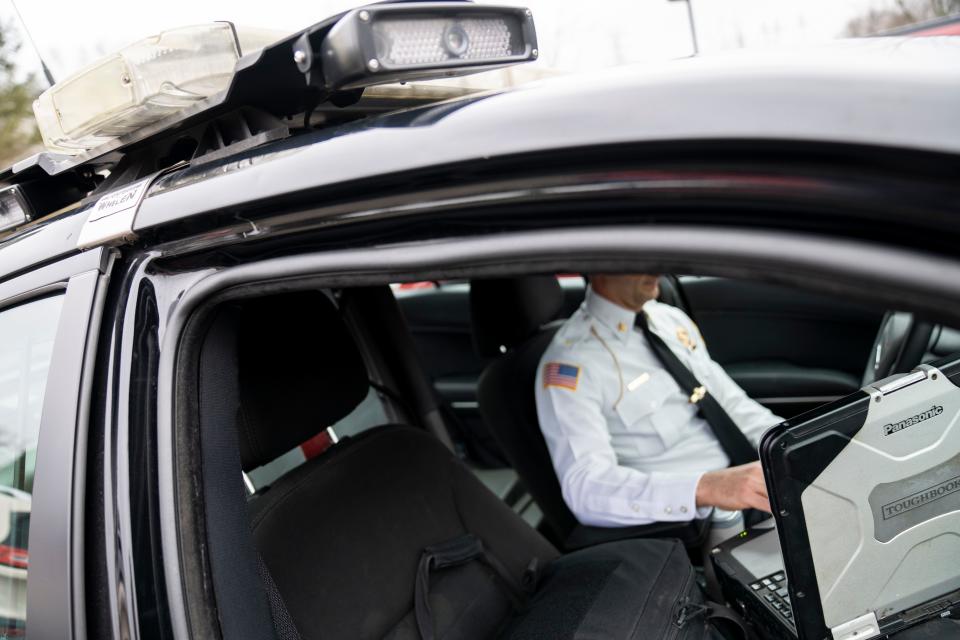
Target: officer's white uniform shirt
[(627, 445)]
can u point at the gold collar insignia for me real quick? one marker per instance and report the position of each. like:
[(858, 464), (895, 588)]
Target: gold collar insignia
[(684, 337)]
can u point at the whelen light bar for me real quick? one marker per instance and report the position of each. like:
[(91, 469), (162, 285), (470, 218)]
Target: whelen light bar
[(136, 86), (14, 209), (401, 42)]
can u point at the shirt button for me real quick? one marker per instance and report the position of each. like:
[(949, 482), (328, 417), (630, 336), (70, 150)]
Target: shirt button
[(668, 510), (683, 509), (635, 506)]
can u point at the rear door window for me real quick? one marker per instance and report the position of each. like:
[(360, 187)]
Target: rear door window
[(27, 334)]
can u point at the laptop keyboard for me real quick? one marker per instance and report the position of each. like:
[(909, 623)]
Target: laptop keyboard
[(773, 589)]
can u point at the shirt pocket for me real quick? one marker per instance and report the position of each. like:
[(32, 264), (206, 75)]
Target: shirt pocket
[(649, 415)]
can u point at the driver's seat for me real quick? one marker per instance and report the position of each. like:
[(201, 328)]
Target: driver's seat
[(514, 320)]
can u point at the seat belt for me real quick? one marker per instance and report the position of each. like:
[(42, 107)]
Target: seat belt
[(734, 443), (456, 552)]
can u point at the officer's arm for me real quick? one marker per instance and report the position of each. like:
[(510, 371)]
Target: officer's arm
[(595, 487)]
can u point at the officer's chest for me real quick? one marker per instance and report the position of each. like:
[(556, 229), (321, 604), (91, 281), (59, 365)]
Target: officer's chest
[(645, 409)]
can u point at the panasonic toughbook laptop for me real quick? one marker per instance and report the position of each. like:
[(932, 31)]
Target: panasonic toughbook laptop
[(866, 500)]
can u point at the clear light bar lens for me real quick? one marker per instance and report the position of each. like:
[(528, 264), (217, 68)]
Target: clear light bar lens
[(140, 84), (412, 41), (13, 211)]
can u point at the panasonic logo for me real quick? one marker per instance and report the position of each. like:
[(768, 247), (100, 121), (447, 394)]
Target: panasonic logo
[(921, 498), (893, 427)]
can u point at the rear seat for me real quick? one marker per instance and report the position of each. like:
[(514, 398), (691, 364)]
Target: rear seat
[(342, 537)]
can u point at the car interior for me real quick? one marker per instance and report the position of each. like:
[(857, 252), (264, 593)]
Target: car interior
[(372, 466)]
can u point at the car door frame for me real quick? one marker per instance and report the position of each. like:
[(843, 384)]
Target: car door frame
[(56, 547)]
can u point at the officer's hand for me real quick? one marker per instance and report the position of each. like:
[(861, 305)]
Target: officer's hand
[(734, 488)]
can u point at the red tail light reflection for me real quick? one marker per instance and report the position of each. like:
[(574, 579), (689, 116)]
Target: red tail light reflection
[(13, 556)]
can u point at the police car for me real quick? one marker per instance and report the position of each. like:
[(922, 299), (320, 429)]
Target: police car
[(204, 326)]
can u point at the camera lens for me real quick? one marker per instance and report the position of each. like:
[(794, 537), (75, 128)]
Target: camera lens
[(455, 41)]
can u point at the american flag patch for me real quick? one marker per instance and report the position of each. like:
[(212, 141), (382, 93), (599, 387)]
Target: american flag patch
[(557, 374)]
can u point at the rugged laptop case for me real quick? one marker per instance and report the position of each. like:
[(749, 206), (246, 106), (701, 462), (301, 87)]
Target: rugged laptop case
[(850, 485), (736, 579)]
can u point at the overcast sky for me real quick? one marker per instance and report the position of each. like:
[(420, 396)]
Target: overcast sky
[(574, 34)]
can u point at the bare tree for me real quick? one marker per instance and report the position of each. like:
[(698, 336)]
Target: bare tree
[(903, 13), (18, 132), (945, 7)]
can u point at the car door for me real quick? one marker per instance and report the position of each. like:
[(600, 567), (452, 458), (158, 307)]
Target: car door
[(789, 349), (48, 328)]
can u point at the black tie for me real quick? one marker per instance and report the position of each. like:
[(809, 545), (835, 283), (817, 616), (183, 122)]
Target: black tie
[(734, 443)]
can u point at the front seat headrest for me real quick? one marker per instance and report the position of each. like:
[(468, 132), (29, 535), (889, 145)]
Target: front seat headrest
[(300, 372), (507, 311)]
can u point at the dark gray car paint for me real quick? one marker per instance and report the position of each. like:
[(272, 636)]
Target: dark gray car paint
[(29, 284), (55, 602), (854, 92), (866, 92), (47, 242)]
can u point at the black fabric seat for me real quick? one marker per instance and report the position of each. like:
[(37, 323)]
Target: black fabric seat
[(342, 534), (515, 319), (509, 318)]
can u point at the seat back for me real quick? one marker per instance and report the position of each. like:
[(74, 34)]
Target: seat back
[(342, 534), (505, 393), (509, 318)]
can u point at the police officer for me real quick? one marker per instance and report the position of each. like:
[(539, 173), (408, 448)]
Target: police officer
[(642, 425)]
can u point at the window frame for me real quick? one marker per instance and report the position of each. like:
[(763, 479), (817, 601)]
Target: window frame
[(914, 280), (55, 583)]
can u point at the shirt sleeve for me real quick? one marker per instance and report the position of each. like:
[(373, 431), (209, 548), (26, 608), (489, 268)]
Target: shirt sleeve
[(597, 489)]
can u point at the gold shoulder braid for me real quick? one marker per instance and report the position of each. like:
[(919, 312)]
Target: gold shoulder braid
[(616, 362)]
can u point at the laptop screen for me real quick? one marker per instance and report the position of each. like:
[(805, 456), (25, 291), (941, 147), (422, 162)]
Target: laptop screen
[(881, 500), (883, 517)]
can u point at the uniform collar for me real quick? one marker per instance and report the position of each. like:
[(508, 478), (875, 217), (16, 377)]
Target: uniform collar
[(616, 318)]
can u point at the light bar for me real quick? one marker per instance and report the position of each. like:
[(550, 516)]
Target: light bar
[(400, 42), (14, 210), (140, 84)]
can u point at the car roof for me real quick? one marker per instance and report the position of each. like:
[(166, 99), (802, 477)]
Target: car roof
[(896, 92), (891, 92)]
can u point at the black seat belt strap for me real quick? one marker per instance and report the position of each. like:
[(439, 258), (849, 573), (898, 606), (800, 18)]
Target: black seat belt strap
[(734, 443)]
